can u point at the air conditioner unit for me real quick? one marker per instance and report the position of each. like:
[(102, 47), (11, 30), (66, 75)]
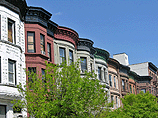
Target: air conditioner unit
[(43, 52)]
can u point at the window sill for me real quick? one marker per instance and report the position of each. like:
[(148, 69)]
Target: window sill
[(12, 44), (9, 84)]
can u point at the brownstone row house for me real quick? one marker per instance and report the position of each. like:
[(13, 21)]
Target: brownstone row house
[(28, 38)]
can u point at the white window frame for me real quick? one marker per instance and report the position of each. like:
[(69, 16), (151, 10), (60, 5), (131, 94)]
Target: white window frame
[(13, 72)]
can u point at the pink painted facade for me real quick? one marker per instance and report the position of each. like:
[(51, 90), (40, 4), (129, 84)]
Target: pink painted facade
[(37, 59)]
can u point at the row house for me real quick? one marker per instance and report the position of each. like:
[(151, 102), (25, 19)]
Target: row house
[(12, 55), (114, 82), (29, 39), (39, 43)]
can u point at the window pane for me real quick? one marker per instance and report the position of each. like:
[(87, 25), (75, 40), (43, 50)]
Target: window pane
[(110, 80), (49, 51), (71, 56), (99, 73), (31, 41), (11, 71), (2, 111), (42, 44), (10, 32), (62, 54), (83, 64)]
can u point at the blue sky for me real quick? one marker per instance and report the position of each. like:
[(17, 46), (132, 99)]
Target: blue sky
[(118, 26)]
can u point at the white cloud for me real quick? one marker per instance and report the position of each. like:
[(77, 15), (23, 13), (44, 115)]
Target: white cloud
[(59, 13)]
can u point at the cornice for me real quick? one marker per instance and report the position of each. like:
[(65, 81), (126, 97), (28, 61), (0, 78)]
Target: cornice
[(64, 32), (52, 27), (37, 15), (101, 54), (86, 45), (113, 62), (18, 6)]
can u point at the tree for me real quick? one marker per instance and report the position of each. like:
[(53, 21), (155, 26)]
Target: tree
[(142, 105), (62, 92)]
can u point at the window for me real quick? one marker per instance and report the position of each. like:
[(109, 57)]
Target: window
[(62, 55), (91, 67), (116, 102), (130, 88), (2, 111), (31, 70), (83, 64), (133, 90), (43, 75), (42, 42), (71, 56), (49, 51), (99, 73), (110, 80), (114, 82), (31, 42), (144, 90), (105, 73), (123, 85), (11, 71), (112, 99), (11, 31)]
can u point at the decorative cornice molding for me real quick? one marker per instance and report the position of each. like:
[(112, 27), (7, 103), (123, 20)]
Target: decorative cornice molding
[(37, 15), (18, 6), (101, 54), (66, 34), (52, 27), (113, 62), (86, 45)]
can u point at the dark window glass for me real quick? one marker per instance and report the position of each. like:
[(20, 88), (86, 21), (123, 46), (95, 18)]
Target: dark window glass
[(11, 31), (91, 67), (112, 99), (49, 51), (31, 42), (130, 88), (62, 55), (99, 73), (123, 85), (42, 42), (114, 82), (116, 102), (71, 56), (2, 111), (110, 81), (11, 71), (31, 70), (83, 64)]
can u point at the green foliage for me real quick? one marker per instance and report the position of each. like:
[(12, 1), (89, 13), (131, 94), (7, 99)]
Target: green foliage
[(142, 105), (63, 93)]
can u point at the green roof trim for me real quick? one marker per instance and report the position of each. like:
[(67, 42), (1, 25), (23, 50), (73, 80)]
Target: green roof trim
[(101, 54)]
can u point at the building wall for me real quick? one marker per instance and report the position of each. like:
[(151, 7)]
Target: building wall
[(14, 52), (38, 58), (140, 69)]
